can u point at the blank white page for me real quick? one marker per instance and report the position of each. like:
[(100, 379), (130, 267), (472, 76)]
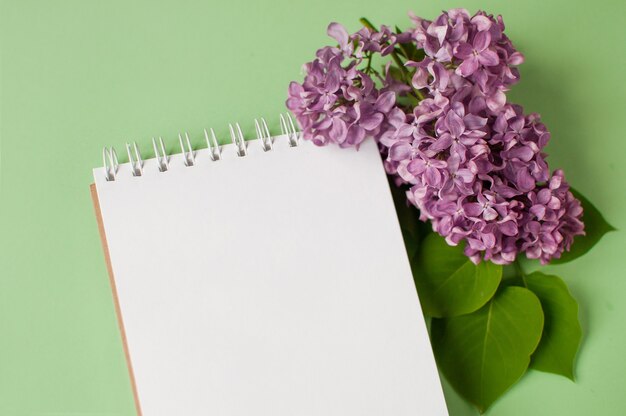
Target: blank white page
[(273, 284)]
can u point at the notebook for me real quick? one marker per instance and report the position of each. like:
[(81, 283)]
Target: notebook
[(264, 277)]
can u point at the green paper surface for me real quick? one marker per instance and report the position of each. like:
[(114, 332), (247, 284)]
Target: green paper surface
[(79, 75)]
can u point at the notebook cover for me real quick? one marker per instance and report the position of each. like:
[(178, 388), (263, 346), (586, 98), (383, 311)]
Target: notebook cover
[(118, 313)]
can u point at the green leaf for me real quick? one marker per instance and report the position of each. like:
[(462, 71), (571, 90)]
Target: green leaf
[(484, 353), (366, 23), (448, 283), (561, 329), (409, 50), (400, 51), (595, 227), (408, 100), (395, 73)]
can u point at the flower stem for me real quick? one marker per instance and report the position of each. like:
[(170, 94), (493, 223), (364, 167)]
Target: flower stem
[(407, 77)]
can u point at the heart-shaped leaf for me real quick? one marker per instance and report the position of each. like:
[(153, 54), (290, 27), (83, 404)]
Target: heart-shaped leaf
[(448, 283), (595, 227), (484, 353), (561, 330)]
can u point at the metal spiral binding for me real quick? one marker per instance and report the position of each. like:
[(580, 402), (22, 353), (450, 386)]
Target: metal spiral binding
[(136, 163), (214, 148), (238, 140), (263, 134), (109, 160), (161, 157), (289, 129), (111, 163), (188, 153)]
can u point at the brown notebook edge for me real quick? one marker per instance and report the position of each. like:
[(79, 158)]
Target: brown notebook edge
[(118, 312)]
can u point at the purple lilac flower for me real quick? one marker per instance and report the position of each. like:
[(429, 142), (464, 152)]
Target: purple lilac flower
[(337, 103), (482, 178), (483, 56), (474, 164), (382, 41)]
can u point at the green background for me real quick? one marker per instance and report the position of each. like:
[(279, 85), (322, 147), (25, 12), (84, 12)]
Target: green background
[(78, 75)]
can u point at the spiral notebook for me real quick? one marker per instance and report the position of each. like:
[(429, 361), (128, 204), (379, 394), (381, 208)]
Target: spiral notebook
[(264, 277)]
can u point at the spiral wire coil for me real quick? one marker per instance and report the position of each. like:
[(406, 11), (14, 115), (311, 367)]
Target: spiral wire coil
[(111, 163)]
